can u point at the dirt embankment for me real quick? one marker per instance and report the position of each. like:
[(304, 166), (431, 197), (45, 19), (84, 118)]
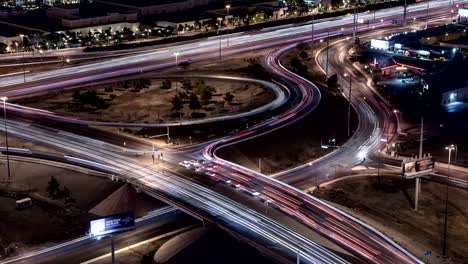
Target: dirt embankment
[(389, 208)]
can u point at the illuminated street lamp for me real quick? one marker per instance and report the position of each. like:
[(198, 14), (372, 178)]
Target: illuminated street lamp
[(427, 14), (227, 9), (227, 23), (40, 52), (4, 99), (24, 70), (449, 148), (176, 54), (398, 119)]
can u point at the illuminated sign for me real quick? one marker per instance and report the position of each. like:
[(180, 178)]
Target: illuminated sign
[(463, 12), (379, 44), (111, 224), (418, 167), (398, 46)]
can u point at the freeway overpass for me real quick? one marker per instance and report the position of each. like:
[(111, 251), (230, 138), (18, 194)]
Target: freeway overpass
[(209, 201)]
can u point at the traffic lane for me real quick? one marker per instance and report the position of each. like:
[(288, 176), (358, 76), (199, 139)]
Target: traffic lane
[(223, 209), (284, 201), (207, 46), (101, 246), (362, 91)]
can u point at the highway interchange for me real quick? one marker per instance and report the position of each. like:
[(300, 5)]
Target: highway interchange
[(375, 121)]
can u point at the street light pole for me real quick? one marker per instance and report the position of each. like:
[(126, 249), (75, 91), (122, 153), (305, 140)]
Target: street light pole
[(328, 42), (404, 14), (444, 250), (227, 23), (427, 13), (349, 102), (176, 54), (313, 34), (24, 70), (373, 21), (40, 52), (4, 99)]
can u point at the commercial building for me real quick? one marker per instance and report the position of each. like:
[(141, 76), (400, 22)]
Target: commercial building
[(147, 7), (72, 17)]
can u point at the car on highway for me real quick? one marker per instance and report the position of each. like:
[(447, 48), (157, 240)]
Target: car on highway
[(195, 163), (185, 164)]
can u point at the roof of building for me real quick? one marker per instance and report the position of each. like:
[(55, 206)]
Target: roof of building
[(143, 3), (121, 201), (9, 31)]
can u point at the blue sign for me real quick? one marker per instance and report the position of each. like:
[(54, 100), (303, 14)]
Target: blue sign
[(427, 253), (112, 224)]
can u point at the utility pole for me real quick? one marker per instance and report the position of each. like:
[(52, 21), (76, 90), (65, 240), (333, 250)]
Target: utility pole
[(260, 165)]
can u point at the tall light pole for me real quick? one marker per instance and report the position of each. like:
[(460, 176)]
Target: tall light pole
[(405, 6), (227, 23), (373, 21), (397, 115), (328, 43), (40, 52), (4, 99), (349, 102), (176, 55), (24, 70), (444, 250), (313, 34), (354, 22), (427, 13)]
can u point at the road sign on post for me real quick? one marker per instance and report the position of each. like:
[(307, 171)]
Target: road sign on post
[(413, 168)]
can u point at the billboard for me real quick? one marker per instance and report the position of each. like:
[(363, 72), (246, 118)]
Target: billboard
[(379, 44), (111, 224), (463, 12), (417, 167)]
